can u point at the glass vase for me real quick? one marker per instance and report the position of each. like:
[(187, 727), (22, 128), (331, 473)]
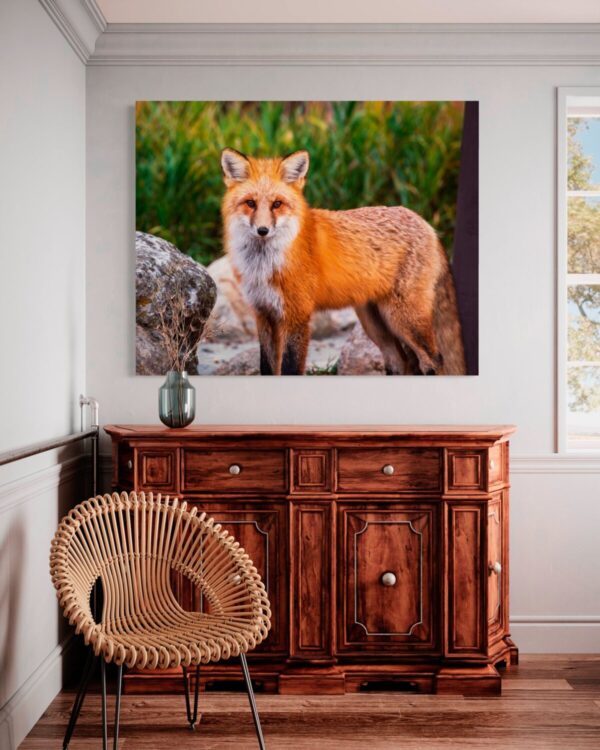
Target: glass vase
[(177, 400)]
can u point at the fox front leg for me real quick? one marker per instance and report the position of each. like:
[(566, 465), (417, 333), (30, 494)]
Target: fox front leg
[(295, 350), (270, 340)]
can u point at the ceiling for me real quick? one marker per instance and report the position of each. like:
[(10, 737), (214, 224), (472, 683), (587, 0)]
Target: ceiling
[(351, 11)]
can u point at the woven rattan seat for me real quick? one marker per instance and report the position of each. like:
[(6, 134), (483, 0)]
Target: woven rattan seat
[(135, 544)]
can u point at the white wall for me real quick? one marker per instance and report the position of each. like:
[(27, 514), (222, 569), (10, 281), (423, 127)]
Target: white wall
[(555, 514), (517, 250), (42, 330)]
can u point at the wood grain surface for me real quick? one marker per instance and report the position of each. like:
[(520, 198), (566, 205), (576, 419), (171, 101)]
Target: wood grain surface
[(549, 702), (329, 515)]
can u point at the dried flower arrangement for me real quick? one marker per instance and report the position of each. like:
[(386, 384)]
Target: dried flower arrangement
[(178, 335)]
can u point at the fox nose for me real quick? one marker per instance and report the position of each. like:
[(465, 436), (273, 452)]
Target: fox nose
[(263, 231)]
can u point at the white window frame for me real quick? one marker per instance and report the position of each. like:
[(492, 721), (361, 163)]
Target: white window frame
[(567, 97)]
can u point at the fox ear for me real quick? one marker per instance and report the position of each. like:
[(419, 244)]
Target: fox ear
[(295, 166), (235, 166)]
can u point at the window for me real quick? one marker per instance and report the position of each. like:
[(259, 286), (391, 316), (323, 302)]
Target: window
[(581, 256)]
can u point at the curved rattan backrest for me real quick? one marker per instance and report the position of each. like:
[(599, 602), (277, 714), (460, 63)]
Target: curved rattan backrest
[(133, 543)]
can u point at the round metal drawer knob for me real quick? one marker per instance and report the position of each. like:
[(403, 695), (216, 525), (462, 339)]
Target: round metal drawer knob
[(235, 469), (388, 470), (495, 568), (130, 465), (388, 579)]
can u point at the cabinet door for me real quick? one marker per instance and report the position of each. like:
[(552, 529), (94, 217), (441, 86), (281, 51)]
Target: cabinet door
[(496, 568), (261, 529), (388, 577)]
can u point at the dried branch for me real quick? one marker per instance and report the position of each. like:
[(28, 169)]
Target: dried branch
[(178, 337)]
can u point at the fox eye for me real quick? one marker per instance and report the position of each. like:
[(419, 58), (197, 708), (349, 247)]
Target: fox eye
[(276, 204), (250, 203)]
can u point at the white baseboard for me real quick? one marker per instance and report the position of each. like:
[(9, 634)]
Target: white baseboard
[(20, 714), (548, 635)]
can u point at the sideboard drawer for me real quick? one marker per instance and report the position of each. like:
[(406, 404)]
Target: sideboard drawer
[(261, 471), (389, 470)]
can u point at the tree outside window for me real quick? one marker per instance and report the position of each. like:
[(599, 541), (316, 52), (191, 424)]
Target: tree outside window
[(583, 278)]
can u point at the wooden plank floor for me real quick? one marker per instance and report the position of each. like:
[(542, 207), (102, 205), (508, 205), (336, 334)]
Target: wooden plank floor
[(547, 702)]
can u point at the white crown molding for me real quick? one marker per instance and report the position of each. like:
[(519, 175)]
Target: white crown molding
[(79, 21), (98, 43), (67, 29), (354, 28), (348, 44), (96, 14), (339, 60)]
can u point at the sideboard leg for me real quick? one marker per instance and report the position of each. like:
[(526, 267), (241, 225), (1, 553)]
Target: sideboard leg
[(513, 652), (468, 680)]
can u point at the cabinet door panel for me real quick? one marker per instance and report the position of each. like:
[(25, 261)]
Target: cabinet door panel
[(497, 569), (466, 471), (466, 579), (387, 577), (157, 470), (261, 530), (311, 471), (311, 580), (495, 558)]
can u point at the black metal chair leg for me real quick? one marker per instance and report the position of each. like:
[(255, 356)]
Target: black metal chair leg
[(86, 676), (104, 717), (118, 707), (250, 691), (191, 717)]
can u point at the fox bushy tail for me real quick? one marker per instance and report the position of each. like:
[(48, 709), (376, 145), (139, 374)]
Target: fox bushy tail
[(447, 327)]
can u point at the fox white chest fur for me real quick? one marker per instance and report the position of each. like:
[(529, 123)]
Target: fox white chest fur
[(257, 260)]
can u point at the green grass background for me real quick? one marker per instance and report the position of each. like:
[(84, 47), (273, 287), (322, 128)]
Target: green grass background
[(362, 154)]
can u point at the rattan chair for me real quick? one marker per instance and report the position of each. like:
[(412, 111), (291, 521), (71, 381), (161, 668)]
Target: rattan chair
[(132, 544)]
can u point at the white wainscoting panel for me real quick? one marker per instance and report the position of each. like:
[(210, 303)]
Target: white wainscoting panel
[(33, 634)]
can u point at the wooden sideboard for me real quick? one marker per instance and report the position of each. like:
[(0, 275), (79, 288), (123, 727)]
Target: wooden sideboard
[(384, 549)]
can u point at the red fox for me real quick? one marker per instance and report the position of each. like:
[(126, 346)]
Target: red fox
[(292, 260)]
